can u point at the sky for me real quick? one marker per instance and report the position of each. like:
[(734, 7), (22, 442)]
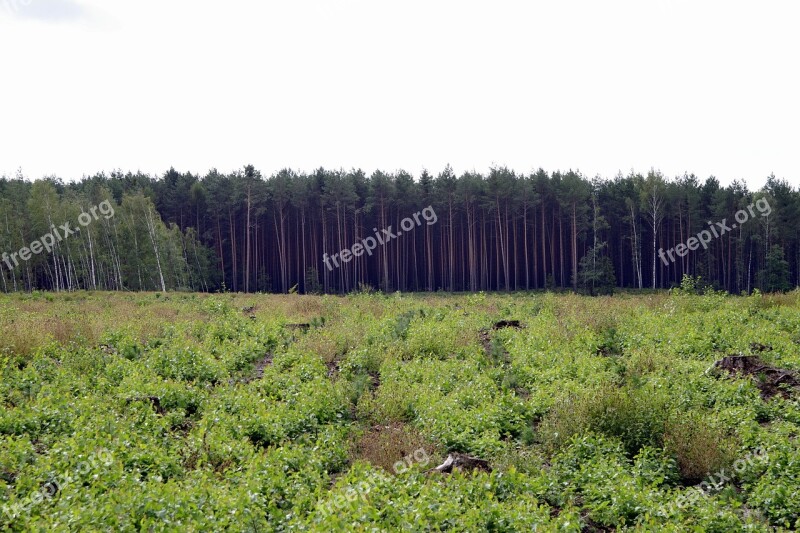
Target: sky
[(704, 87)]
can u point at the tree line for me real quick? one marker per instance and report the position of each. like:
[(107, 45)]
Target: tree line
[(499, 230)]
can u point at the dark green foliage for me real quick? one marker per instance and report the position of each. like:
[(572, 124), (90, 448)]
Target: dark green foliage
[(596, 272), (774, 277), (499, 230)]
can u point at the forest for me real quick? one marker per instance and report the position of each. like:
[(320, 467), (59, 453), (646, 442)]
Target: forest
[(494, 231)]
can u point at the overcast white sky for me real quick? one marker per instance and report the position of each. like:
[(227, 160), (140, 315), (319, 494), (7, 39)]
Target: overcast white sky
[(709, 87)]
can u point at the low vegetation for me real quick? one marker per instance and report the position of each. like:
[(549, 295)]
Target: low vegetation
[(179, 411)]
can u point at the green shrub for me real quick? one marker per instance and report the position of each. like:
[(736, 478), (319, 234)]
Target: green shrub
[(636, 416), (699, 448)]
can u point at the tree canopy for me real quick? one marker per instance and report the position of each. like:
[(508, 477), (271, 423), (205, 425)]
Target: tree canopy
[(499, 230)]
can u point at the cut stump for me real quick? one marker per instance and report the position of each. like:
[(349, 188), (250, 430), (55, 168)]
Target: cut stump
[(769, 380), (461, 462)]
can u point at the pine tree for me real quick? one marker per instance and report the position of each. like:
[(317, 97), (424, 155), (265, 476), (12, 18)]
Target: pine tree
[(774, 277)]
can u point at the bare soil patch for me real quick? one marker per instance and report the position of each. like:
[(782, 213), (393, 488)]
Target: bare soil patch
[(258, 371), (384, 445)]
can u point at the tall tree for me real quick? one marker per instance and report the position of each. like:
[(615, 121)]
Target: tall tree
[(653, 204)]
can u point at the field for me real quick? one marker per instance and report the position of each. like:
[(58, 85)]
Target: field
[(190, 412)]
